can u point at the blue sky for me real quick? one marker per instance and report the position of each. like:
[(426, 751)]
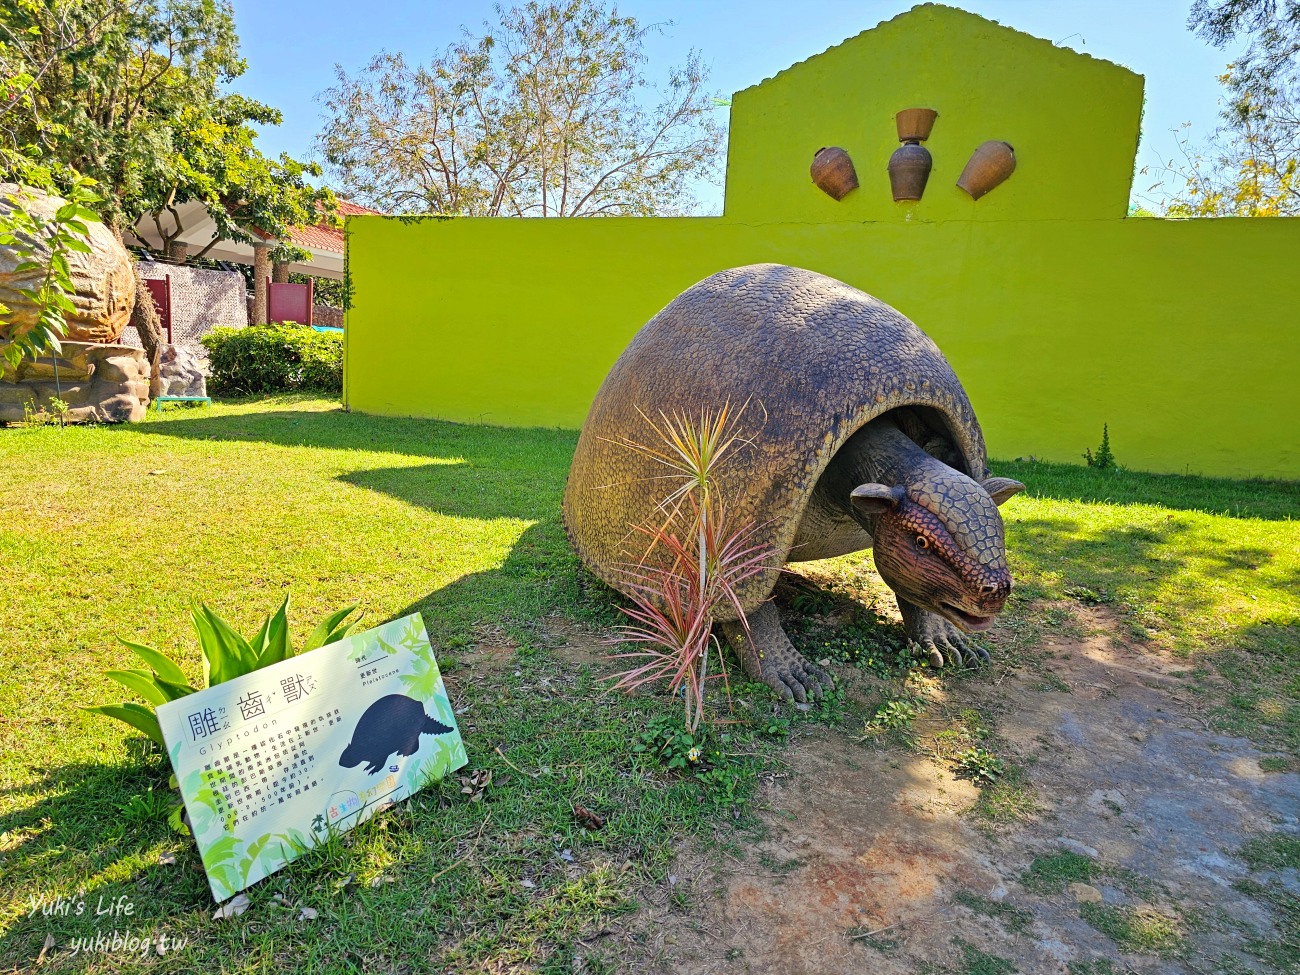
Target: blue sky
[(292, 47)]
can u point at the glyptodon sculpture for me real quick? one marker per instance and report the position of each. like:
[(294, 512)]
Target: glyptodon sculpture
[(856, 434), (103, 280)]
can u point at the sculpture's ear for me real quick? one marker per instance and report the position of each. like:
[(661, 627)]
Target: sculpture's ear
[(874, 499), (1001, 488)]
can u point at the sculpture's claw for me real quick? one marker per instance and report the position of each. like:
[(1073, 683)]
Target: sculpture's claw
[(767, 655), (939, 640), (977, 656)]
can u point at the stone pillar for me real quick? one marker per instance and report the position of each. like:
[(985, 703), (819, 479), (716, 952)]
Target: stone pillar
[(261, 271), (178, 251), (280, 272)]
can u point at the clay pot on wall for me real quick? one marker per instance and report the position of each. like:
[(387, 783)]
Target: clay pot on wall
[(909, 168), (915, 124), (989, 166), (832, 170)]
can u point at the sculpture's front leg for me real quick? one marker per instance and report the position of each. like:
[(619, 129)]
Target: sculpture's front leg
[(940, 640)]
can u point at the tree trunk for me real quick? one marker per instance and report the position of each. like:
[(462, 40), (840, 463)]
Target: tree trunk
[(148, 323)]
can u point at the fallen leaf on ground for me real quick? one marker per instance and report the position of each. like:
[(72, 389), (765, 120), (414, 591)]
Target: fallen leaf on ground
[(588, 818), (475, 784), (232, 908), (307, 914)]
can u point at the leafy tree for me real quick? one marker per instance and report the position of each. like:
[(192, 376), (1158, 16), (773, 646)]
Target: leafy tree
[(1270, 60), (543, 115), (1250, 167), (129, 92), (218, 165)]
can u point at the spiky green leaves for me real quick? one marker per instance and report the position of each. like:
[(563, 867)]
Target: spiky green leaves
[(226, 655)]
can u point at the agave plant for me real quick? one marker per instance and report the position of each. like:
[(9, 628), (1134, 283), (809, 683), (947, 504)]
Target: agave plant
[(226, 655), (692, 563)]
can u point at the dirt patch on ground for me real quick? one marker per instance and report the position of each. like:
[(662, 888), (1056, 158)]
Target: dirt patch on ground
[(872, 862)]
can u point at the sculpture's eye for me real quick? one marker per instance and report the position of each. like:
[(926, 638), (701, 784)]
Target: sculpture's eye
[(922, 543)]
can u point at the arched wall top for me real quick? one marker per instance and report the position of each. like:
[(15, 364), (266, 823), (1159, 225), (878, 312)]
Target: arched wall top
[(1073, 120)]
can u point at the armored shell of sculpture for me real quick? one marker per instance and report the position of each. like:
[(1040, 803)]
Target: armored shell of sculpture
[(811, 359), (103, 282)]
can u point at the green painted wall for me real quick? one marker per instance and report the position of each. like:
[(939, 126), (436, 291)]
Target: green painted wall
[(1072, 119), (1057, 313)]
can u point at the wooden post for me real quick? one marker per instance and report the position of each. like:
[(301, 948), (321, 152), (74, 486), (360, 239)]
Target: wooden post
[(261, 273)]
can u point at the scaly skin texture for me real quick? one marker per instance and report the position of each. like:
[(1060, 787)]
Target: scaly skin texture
[(937, 536), (814, 362)]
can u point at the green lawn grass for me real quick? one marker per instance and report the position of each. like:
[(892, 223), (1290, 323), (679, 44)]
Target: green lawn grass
[(113, 530), (1208, 569)]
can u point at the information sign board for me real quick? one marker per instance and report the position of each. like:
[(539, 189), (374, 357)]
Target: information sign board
[(272, 763)]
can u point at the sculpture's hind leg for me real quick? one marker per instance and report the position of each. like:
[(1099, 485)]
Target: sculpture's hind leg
[(768, 656)]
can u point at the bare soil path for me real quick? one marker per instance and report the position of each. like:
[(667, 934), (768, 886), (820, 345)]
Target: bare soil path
[(871, 861)]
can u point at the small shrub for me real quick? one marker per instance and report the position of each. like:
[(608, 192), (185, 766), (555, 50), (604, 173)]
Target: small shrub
[(226, 655), (277, 358), (980, 766), (692, 565), (1103, 459), (41, 417), (668, 743)]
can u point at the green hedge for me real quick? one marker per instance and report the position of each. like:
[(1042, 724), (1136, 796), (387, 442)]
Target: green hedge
[(282, 357)]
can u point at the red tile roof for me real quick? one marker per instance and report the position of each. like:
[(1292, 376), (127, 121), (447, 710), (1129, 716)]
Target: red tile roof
[(323, 237)]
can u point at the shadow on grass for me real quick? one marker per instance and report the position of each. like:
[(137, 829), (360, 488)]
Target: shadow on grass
[(1111, 560), (1224, 592), (1267, 500), (477, 472), (101, 824), (87, 813)]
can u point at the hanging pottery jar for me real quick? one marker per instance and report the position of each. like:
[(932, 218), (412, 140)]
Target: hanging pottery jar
[(832, 170), (909, 168), (915, 124), (989, 165)]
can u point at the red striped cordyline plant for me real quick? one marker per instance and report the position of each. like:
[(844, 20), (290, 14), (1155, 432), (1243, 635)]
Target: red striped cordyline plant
[(692, 563)]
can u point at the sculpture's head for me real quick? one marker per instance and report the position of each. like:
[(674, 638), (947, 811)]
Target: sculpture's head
[(939, 543)]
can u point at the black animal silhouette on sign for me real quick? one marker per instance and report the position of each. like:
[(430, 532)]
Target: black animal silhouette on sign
[(391, 726)]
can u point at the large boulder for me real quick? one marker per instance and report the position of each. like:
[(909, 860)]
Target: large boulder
[(103, 281), (181, 373), (99, 384)]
